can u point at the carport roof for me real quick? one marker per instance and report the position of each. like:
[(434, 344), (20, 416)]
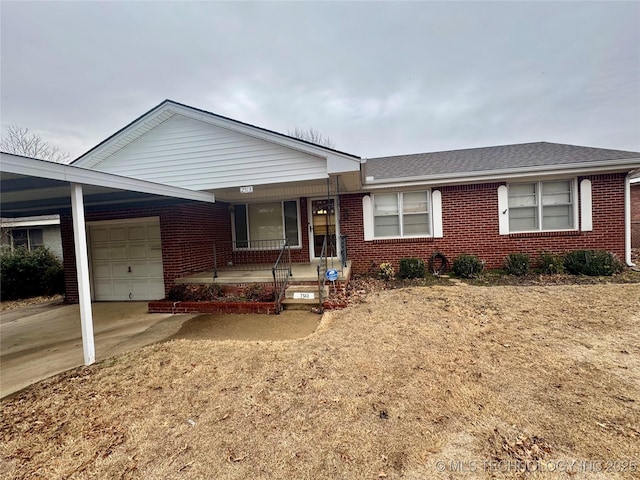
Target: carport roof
[(29, 186)]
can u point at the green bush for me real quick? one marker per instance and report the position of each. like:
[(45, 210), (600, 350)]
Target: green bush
[(551, 263), (25, 274), (517, 264), (592, 263), (411, 268), (467, 266)]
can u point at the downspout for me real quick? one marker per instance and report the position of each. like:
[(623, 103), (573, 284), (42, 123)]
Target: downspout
[(627, 221)]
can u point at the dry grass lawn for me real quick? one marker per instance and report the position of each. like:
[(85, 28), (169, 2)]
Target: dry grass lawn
[(388, 388)]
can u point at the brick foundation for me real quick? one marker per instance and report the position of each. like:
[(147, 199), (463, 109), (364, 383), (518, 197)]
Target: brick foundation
[(163, 306)]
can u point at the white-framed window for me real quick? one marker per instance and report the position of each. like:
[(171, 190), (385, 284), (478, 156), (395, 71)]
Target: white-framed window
[(262, 225), (548, 205), (29, 238), (401, 214)]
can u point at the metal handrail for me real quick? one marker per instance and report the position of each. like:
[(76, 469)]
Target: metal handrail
[(343, 250), (281, 271), (322, 268), (245, 254)]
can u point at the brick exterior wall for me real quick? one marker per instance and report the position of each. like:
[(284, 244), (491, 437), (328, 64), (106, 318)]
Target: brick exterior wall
[(635, 215), (188, 232), (470, 225)]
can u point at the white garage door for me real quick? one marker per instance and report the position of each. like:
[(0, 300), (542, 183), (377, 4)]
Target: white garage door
[(127, 260)]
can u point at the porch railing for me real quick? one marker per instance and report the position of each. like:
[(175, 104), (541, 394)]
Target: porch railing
[(281, 271), (322, 269), (246, 254), (343, 250)]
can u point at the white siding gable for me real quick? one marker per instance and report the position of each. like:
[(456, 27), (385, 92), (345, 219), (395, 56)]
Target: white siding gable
[(194, 154)]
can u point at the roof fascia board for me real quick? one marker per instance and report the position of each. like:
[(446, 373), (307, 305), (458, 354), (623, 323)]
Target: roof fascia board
[(490, 175), (73, 174), (88, 158), (29, 223)]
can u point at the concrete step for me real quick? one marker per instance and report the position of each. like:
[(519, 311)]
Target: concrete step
[(299, 304), (305, 292)]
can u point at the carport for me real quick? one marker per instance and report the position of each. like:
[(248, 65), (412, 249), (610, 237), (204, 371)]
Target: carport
[(36, 187)]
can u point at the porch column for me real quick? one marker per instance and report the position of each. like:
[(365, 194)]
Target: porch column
[(627, 220), (82, 268)]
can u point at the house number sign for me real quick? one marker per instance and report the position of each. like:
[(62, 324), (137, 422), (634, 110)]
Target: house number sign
[(248, 189)]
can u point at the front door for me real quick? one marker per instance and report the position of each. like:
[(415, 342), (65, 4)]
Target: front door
[(322, 217)]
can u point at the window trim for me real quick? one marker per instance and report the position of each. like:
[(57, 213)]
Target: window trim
[(539, 205), (30, 247), (400, 196), (282, 213)]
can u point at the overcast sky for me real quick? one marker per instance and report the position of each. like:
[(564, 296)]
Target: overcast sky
[(382, 78)]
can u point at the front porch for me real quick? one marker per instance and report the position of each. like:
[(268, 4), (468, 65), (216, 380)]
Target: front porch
[(301, 273), (264, 271), (306, 288)]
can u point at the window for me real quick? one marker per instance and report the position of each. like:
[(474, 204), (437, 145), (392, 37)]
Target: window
[(541, 206), (29, 238), (404, 214), (262, 225)]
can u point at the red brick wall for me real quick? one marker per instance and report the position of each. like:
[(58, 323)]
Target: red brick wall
[(188, 232), (470, 225), (635, 215), (635, 202)]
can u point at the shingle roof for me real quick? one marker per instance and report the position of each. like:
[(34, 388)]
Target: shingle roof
[(489, 159)]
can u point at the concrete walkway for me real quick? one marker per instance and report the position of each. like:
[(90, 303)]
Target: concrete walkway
[(39, 341)]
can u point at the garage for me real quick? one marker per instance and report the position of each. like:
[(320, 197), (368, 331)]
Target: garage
[(126, 254), (126, 259)]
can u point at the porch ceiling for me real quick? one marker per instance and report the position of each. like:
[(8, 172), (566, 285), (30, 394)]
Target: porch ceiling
[(35, 187), (349, 182)]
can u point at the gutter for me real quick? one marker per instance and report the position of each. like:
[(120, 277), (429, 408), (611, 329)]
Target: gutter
[(627, 220), (497, 175), (363, 173)]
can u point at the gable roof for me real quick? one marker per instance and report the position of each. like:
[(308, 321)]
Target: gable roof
[(165, 110), (491, 161)]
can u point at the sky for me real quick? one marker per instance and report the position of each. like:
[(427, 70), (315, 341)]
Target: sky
[(378, 78)]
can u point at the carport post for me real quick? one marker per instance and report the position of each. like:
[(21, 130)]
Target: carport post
[(82, 268)]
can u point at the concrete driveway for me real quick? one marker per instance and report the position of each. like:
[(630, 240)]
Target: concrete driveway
[(39, 341)]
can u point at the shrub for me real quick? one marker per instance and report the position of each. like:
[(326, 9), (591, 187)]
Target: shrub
[(517, 264), (257, 292), (386, 271), (551, 263), (194, 292), (467, 266), (411, 268), (592, 263), (25, 274)]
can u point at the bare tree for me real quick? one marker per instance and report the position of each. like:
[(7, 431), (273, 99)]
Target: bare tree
[(311, 135), (19, 141)]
